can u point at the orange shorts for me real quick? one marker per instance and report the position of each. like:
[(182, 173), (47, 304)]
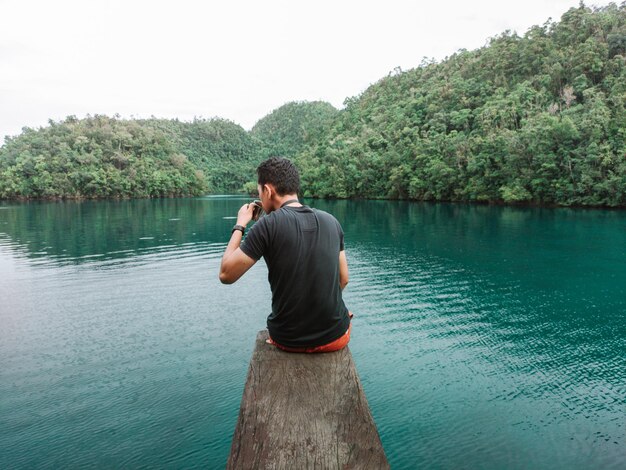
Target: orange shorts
[(335, 345)]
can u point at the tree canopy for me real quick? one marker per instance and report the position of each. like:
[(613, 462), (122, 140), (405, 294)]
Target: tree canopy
[(96, 157), (225, 153), (286, 131), (103, 157), (538, 118)]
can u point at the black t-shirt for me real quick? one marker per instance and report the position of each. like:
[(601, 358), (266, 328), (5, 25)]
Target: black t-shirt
[(301, 249)]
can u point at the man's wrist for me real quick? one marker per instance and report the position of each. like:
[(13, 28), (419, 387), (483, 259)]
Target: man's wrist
[(239, 227)]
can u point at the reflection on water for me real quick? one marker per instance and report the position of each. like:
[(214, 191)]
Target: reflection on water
[(486, 337), (71, 232)]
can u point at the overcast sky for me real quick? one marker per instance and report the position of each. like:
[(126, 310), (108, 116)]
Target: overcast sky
[(238, 60)]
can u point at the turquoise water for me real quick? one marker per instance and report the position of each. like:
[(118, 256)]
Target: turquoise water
[(485, 337)]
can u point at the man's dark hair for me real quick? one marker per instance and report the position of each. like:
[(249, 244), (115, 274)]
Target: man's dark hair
[(281, 173)]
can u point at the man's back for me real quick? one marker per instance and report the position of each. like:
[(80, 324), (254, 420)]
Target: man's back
[(301, 247)]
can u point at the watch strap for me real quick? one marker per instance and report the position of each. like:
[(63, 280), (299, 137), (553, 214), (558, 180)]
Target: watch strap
[(241, 228)]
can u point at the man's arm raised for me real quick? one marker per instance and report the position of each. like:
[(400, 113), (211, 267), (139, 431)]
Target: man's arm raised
[(234, 261)]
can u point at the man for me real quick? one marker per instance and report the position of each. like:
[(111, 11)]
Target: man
[(304, 252)]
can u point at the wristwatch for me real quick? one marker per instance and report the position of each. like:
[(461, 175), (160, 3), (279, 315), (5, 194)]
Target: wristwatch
[(239, 227)]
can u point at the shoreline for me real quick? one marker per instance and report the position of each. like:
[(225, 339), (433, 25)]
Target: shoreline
[(524, 204)]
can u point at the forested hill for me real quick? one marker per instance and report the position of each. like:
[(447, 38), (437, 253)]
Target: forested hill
[(103, 157), (96, 157), (535, 118), (538, 118), (109, 157), (225, 153), (292, 127)]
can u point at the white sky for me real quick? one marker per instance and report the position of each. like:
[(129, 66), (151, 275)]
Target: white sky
[(237, 59)]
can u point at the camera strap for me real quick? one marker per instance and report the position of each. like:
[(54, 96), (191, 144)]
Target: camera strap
[(288, 202)]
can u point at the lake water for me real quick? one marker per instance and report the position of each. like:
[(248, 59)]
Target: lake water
[(485, 337)]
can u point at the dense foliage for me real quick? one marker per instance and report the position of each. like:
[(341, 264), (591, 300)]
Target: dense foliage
[(222, 150), (286, 131), (101, 157), (290, 129), (539, 118), (96, 157)]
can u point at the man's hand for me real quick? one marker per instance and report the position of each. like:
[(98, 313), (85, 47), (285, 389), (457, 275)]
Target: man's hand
[(244, 216)]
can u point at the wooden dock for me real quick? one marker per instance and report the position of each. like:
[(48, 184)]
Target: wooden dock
[(304, 411)]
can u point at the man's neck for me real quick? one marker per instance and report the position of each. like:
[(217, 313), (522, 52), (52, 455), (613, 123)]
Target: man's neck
[(280, 200)]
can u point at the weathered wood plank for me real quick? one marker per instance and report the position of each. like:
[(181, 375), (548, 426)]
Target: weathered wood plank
[(304, 411)]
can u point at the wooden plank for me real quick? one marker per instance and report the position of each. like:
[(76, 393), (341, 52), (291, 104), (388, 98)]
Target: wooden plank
[(304, 411)]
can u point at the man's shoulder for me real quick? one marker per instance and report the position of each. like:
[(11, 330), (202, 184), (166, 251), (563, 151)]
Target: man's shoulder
[(322, 213), (272, 221), (326, 215), (279, 217)]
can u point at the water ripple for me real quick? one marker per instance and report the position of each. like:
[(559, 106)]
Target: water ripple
[(480, 344)]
